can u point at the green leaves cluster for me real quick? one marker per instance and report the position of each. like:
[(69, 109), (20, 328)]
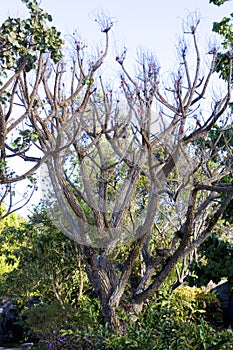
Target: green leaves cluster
[(24, 139), (225, 29), (65, 327), (218, 2), (216, 262), (21, 40), (11, 220), (227, 215), (45, 262), (222, 65)]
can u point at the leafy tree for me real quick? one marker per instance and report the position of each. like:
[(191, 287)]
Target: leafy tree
[(121, 161), (44, 263), (224, 28), (25, 46), (12, 220), (222, 139)]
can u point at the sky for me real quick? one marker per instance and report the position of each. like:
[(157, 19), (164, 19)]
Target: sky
[(152, 24)]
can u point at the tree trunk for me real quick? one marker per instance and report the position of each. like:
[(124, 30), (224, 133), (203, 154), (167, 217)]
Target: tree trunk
[(110, 316), (102, 275)]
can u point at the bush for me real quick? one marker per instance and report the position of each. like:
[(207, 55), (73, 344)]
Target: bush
[(196, 303), (180, 321), (62, 328), (43, 322)]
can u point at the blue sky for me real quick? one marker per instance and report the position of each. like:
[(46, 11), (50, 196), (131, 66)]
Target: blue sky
[(150, 23)]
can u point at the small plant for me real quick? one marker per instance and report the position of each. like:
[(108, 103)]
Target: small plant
[(44, 322), (198, 303)]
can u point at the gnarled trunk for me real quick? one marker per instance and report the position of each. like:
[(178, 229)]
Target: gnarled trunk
[(110, 316), (102, 275)]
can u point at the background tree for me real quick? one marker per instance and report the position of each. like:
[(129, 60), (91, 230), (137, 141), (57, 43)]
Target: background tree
[(40, 262), (25, 46), (217, 249), (12, 220)]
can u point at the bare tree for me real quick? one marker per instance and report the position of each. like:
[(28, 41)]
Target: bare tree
[(117, 162), (128, 174)]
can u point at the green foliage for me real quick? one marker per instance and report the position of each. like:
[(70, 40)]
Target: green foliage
[(218, 2), (224, 28), (24, 140), (44, 321), (227, 215), (215, 263), (12, 220), (178, 321), (222, 65), (174, 322), (21, 40), (63, 327), (197, 303), (219, 142), (46, 263), (184, 319)]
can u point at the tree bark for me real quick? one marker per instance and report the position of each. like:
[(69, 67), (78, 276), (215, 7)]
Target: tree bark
[(102, 275)]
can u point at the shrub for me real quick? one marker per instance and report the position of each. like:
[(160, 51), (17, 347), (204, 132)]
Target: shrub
[(179, 320), (176, 322), (198, 303), (61, 328)]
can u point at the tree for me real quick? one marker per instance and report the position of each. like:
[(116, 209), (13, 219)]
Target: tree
[(120, 161), (25, 45), (12, 220), (40, 262)]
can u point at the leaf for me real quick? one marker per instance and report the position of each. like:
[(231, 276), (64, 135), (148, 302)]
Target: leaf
[(218, 2)]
